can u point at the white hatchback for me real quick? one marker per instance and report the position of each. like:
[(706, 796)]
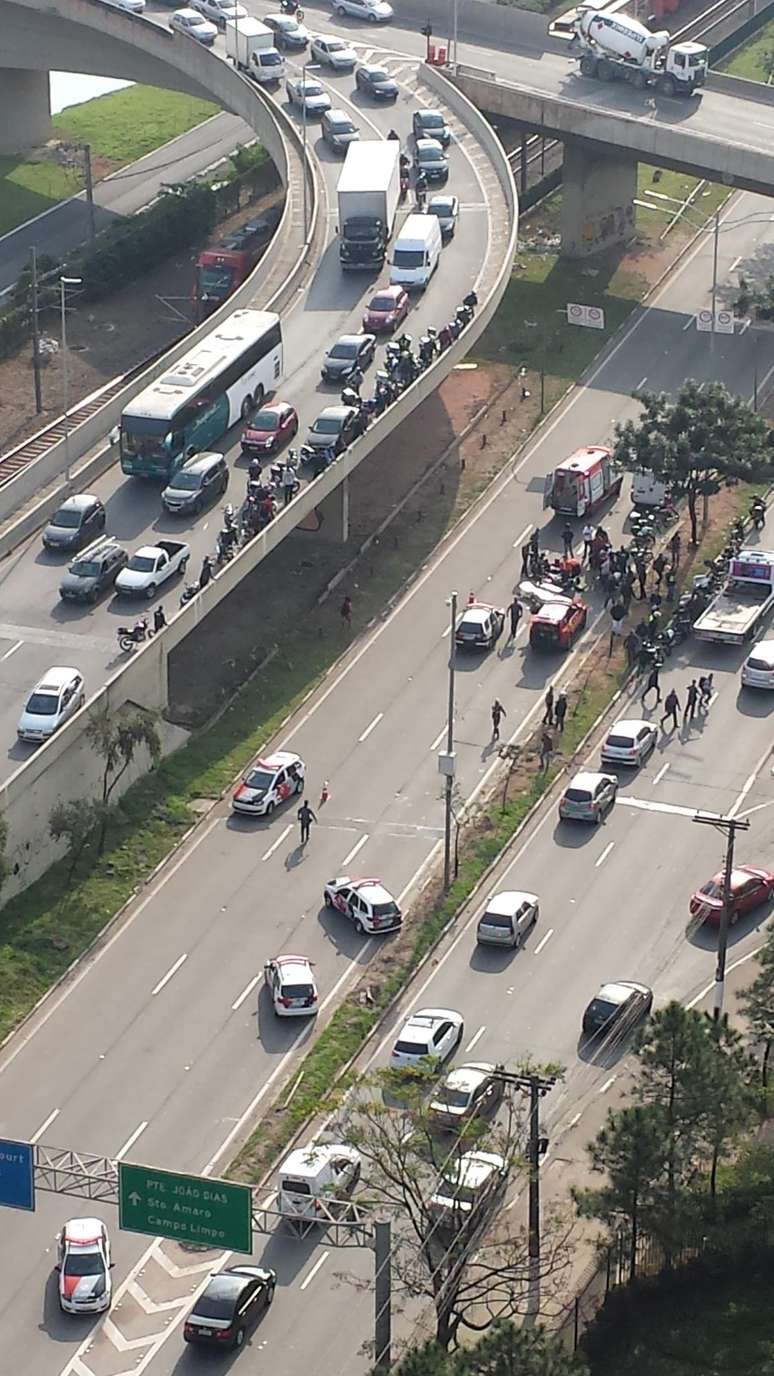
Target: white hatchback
[(758, 668), (58, 695), (629, 742), (220, 10), (431, 1035), (192, 23)]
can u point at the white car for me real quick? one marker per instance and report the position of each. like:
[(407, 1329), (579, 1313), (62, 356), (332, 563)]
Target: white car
[(58, 695), (306, 93), (629, 742), (365, 902), (268, 783), (83, 1263), (588, 797), (293, 988), (432, 1035), (758, 668), (375, 11), (507, 918), (335, 53), (467, 1183), (133, 6), (219, 10), (195, 25)]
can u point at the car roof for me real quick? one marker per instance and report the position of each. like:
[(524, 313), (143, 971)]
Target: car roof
[(56, 677), (509, 901), (618, 991), (425, 114), (390, 290), (629, 726), (199, 463), (350, 338), (553, 611), (81, 501), (83, 1231), (373, 890), (467, 1077), (587, 779), (338, 114), (429, 146), (293, 965), (280, 759), (764, 650), (341, 413), (476, 614), (441, 200), (473, 1168), (430, 1017), (189, 14), (372, 67)]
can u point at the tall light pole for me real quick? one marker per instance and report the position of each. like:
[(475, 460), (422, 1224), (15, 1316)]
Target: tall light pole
[(446, 758), (729, 826), (715, 238), (306, 67), (64, 283), (455, 30)]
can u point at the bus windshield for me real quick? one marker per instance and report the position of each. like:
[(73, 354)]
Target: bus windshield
[(143, 438)]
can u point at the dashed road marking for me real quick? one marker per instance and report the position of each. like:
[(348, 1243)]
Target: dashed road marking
[(276, 844), (172, 971)]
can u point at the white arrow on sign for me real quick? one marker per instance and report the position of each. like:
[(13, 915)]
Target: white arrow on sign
[(135, 1198)]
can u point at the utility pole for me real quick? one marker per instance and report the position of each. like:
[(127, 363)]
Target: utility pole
[(716, 237), (64, 283), (536, 1086), (446, 759), (729, 826), (382, 1296), (89, 190), (36, 333)]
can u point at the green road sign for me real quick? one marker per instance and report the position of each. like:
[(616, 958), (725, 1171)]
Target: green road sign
[(188, 1208)]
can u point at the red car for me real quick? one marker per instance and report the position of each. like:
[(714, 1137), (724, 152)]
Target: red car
[(269, 429), (557, 624), (751, 885), (386, 310)]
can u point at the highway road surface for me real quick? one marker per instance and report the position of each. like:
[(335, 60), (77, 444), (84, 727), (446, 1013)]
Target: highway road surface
[(36, 628), (163, 1044)]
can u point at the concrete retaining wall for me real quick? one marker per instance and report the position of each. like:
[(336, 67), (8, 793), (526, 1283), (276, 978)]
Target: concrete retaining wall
[(61, 769), (740, 87)]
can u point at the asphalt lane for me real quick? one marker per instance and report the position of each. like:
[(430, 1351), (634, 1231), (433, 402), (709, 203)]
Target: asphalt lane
[(37, 629)]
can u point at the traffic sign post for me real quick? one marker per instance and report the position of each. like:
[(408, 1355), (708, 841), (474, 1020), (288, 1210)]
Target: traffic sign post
[(186, 1208), (17, 1175)]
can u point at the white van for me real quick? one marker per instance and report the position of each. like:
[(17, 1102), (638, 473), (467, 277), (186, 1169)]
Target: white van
[(317, 1182), (416, 252)]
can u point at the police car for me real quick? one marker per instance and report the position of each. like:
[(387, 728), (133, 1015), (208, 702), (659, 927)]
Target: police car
[(479, 627), (83, 1263), (268, 783), (292, 986), (365, 902)]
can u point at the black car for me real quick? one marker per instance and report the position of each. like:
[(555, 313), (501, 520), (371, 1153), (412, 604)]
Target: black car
[(430, 124), (431, 160), (349, 352), (231, 1301), (376, 82), (617, 1007), (77, 522), (335, 428), (96, 569)]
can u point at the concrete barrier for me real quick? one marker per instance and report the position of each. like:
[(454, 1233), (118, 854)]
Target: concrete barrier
[(489, 26), (738, 86), (64, 767)]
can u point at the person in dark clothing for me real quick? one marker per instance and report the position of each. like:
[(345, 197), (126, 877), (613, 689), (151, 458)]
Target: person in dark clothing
[(652, 683), (526, 555), (498, 712), (674, 549), (206, 574), (560, 711), (641, 571), (534, 543), (159, 619), (515, 611), (546, 749), (671, 708), (691, 701), (632, 647), (659, 568), (305, 817), (567, 539), (345, 611), (705, 691), (548, 703)]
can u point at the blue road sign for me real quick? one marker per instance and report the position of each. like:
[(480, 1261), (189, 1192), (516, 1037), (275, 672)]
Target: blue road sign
[(17, 1174)]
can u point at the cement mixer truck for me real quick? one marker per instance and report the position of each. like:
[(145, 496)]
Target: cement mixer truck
[(613, 47)]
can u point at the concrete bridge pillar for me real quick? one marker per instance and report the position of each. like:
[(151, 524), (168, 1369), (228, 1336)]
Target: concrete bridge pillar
[(597, 201), (25, 109), (333, 512)]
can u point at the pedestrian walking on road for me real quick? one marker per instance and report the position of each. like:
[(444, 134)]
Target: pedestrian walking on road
[(652, 684), (548, 703), (659, 568), (560, 711), (671, 708), (546, 749), (674, 549), (345, 612), (498, 712), (588, 543), (526, 554), (567, 539), (691, 702), (705, 691), (632, 645), (515, 611), (305, 817)]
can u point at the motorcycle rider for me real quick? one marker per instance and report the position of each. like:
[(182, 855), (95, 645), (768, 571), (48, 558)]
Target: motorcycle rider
[(758, 512), (289, 482)]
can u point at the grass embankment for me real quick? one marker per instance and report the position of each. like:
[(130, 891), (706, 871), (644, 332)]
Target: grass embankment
[(120, 127), (750, 61)]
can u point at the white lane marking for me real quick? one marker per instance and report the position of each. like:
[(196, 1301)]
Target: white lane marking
[(439, 738), (604, 855), (245, 994), (173, 971), (476, 1037), (575, 1119), (446, 632), (735, 264), (661, 774), (688, 323), (13, 649), (314, 1270), (641, 383), (607, 1084), (358, 846), (276, 844), (370, 728), (748, 811), (729, 968), (519, 541), (543, 941), (357, 960), (749, 781), (36, 1136), (130, 1141), (647, 805)]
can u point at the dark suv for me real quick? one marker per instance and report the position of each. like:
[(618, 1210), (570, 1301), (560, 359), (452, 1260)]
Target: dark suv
[(94, 570), (77, 521), (200, 480)]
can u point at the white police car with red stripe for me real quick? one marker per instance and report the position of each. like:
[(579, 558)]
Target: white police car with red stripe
[(268, 783)]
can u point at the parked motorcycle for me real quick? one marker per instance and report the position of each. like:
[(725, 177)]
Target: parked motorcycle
[(129, 637)]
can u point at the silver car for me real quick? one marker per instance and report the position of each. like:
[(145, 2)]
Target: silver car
[(629, 742), (507, 918), (588, 797), (334, 53), (374, 11), (446, 209)]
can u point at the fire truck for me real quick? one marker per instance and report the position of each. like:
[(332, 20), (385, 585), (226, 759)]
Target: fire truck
[(583, 482)]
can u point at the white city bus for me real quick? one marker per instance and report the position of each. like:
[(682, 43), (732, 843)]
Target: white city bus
[(196, 401)]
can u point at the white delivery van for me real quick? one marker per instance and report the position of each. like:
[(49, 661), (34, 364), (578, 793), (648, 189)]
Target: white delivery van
[(416, 252), (316, 1183)]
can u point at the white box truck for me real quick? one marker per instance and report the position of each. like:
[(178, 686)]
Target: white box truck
[(745, 599), (614, 47), (368, 195), (250, 45)]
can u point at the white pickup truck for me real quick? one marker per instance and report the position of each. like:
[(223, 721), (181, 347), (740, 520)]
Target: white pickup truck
[(151, 566), (746, 598)]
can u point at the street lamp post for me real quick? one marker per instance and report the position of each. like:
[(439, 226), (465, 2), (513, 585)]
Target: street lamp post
[(446, 760), (455, 30), (64, 283), (715, 238), (306, 67)]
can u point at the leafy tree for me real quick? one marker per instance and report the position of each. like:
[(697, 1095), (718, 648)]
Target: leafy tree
[(757, 1003), (75, 822), (506, 1350), (631, 1150), (695, 439), (117, 740), (729, 1107)]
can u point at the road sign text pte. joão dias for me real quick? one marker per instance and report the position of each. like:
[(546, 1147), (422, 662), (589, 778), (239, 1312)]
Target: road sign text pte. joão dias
[(187, 1208)]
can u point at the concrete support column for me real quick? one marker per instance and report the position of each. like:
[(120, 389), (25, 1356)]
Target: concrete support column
[(25, 109), (597, 201), (333, 512)]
